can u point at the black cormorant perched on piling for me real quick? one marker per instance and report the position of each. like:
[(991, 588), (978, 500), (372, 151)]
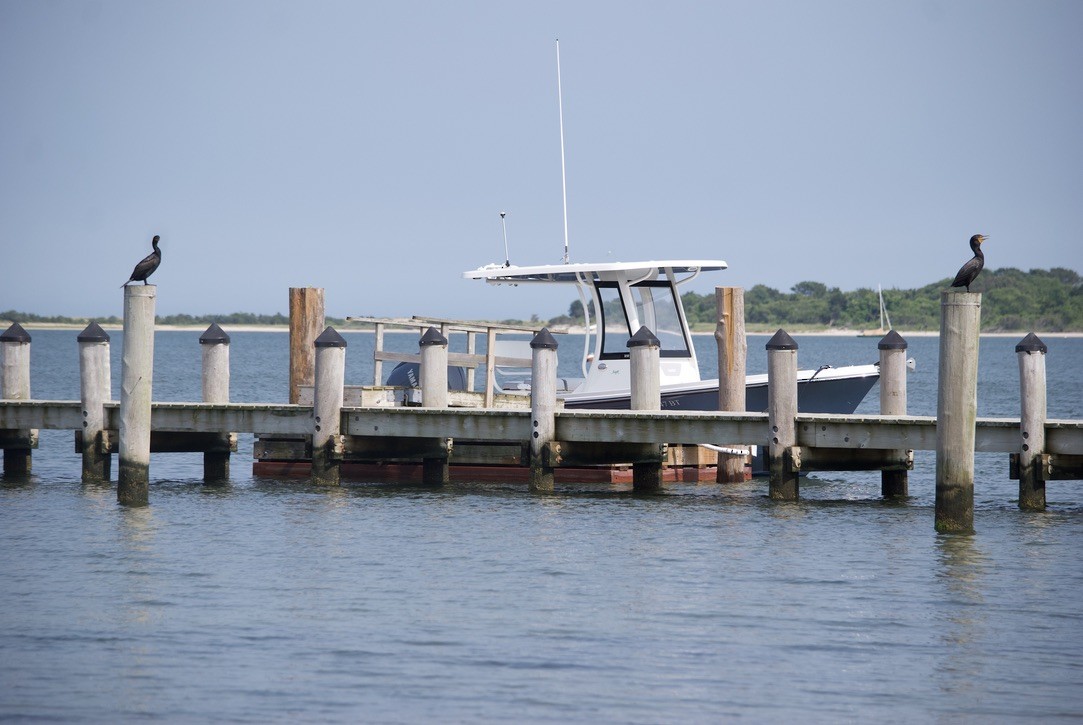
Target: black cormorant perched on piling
[(969, 271), (146, 268)]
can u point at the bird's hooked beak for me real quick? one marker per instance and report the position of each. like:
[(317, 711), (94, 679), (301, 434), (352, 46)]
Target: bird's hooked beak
[(982, 238)]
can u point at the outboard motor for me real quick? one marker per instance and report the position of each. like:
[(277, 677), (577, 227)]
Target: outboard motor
[(408, 375)]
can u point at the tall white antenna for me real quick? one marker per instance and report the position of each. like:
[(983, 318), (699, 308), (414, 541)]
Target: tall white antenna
[(563, 172), (504, 226)]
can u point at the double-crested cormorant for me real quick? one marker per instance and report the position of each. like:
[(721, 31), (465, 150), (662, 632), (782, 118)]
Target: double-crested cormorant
[(150, 263), (969, 271)]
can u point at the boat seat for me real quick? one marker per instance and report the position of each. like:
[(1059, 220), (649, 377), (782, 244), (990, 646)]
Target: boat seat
[(517, 377)]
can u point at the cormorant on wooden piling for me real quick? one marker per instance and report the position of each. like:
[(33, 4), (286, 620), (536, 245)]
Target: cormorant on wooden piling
[(969, 271), (150, 263)]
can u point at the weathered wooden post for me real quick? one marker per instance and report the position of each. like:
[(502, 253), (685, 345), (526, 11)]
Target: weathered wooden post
[(893, 484), (643, 351), (94, 390), (136, 390), (543, 406), (306, 324), (729, 335), (782, 415), (433, 376), (330, 372), (214, 344), (1032, 400), (957, 410), (15, 385)]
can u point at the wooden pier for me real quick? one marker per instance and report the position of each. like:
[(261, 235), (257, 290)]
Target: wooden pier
[(538, 442)]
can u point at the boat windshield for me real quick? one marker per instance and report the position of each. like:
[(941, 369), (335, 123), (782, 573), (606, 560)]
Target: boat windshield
[(655, 307)]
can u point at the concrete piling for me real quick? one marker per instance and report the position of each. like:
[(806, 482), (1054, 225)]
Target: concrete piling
[(782, 415), (892, 347), (15, 385), (543, 405), (214, 346), (732, 346), (94, 390), (136, 390), (957, 410), (646, 392), (1031, 352), (330, 376), (433, 381)]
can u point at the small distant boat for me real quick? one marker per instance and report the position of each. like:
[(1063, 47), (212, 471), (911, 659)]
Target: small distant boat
[(884, 318)]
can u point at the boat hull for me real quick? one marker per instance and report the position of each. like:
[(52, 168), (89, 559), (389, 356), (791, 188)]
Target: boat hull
[(819, 395)]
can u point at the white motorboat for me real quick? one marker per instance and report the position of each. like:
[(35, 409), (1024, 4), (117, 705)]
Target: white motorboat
[(624, 296)]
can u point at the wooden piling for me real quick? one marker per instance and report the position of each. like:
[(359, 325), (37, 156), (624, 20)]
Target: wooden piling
[(136, 391), (543, 406), (94, 390), (646, 393), (214, 346), (330, 376), (433, 376), (1031, 352), (15, 385), (957, 410), (892, 347), (732, 346), (782, 415), (306, 324)]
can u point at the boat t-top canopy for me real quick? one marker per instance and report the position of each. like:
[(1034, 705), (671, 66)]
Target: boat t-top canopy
[(587, 271)]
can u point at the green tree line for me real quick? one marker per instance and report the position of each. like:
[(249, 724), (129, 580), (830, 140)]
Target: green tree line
[(1012, 300)]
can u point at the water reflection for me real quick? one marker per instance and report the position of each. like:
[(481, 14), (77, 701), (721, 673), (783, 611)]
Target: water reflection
[(960, 616)]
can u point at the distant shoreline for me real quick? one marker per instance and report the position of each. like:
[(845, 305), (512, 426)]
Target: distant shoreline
[(571, 330)]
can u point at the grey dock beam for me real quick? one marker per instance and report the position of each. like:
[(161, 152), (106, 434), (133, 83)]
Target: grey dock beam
[(433, 374), (957, 411), (95, 389), (136, 390), (15, 385), (214, 347), (330, 376), (1031, 352), (782, 415), (732, 362), (643, 351), (892, 347), (543, 406)]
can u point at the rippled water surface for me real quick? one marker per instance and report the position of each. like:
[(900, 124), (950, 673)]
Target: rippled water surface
[(266, 600)]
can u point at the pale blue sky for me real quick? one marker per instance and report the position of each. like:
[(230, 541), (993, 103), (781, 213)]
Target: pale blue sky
[(368, 148)]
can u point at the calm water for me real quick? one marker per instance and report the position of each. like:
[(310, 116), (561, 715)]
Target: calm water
[(269, 600)]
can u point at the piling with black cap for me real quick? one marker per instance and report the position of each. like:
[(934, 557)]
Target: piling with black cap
[(433, 374), (643, 353), (543, 406), (782, 415), (214, 346), (1031, 352), (15, 385), (957, 410), (330, 374), (892, 346), (136, 391), (94, 390), (433, 371)]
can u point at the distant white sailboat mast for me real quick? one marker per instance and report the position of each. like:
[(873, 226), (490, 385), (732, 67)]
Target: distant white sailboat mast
[(883, 310)]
